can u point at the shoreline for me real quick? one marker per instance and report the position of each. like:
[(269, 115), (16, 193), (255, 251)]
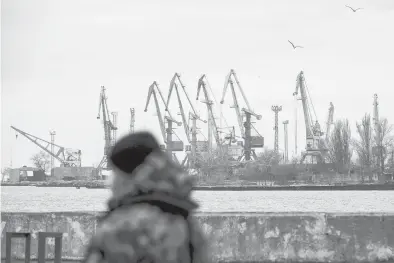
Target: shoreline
[(349, 187)]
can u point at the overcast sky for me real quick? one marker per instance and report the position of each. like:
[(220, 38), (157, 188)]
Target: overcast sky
[(57, 54)]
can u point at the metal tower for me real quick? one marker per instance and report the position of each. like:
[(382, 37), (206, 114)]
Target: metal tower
[(52, 133), (276, 109), (285, 123)]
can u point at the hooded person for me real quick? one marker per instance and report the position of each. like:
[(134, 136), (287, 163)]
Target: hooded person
[(148, 213)]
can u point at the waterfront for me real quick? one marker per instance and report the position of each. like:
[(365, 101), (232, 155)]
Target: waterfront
[(48, 199)]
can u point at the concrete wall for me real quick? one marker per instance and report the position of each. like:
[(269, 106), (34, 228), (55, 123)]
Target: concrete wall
[(241, 237)]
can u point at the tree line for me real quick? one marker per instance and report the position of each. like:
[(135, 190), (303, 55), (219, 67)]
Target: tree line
[(374, 145)]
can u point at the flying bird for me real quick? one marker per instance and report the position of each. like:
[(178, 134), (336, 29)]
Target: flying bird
[(354, 10), (294, 47)]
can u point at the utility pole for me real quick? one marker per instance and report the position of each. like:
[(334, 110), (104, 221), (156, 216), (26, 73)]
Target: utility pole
[(114, 121), (52, 133), (132, 120), (276, 110), (285, 123)]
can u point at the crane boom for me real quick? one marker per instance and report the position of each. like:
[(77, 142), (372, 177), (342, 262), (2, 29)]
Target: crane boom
[(67, 157), (248, 110), (185, 122), (235, 101), (304, 99), (315, 147), (193, 114), (152, 90), (109, 128), (178, 76), (240, 88), (330, 120), (208, 102)]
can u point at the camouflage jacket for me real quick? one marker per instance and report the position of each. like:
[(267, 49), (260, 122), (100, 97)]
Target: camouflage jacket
[(148, 218)]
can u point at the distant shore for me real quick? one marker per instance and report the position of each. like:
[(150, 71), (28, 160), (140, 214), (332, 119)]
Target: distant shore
[(346, 187)]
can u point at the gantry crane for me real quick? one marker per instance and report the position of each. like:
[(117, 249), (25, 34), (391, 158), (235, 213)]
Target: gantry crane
[(166, 133), (191, 134), (66, 156), (209, 103), (109, 129), (330, 121), (245, 127), (315, 148), (132, 119)]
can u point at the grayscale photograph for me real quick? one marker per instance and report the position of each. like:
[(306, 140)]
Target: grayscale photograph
[(169, 131)]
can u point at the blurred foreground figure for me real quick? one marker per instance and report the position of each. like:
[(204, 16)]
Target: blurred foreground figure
[(148, 218)]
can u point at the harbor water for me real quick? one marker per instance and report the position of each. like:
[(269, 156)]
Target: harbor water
[(62, 199)]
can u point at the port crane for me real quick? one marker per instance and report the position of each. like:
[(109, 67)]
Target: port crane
[(202, 84), (109, 129), (315, 148), (66, 156), (191, 133), (171, 145), (330, 121), (250, 142)]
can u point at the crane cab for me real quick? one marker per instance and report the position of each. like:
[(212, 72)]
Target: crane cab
[(257, 141), (176, 146)]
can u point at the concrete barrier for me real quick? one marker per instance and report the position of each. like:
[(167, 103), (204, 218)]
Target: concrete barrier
[(241, 237)]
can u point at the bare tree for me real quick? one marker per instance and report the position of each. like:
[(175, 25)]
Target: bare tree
[(339, 149), (390, 161), (295, 160), (41, 160), (269, 157), (363, 146), (383, 142)]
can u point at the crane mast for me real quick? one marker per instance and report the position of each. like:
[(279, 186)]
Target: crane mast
[(245, 127), (378, 149), (66, 156), (109, 128), (313, 132), (191, 134), (166, 132), (115, 123), (209, 102), (236, 107), (330, 120)]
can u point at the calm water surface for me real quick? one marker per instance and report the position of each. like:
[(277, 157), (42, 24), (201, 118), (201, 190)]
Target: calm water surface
[(48, 199)]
